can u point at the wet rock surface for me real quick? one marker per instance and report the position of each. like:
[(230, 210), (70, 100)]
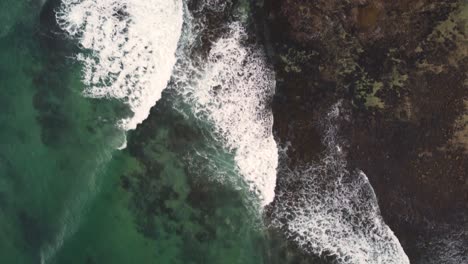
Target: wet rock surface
[(401, 69)]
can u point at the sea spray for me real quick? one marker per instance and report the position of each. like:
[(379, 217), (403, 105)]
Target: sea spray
[(128, 48), (328, 210)]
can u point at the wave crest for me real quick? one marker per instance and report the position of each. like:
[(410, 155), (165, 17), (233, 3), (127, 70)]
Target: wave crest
[(233, 91), (129, 48)]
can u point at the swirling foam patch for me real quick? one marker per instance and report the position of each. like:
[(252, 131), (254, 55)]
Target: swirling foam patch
[(329, 210), (128, 48)]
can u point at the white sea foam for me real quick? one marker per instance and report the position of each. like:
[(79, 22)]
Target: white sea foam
[(233, 91), (329, 210), (129, 48), (444, 242), (216, 5)]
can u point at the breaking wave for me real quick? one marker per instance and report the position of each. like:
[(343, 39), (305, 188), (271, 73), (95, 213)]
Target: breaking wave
[(233, 90), (128, 48), (330, 211), (130, 51)]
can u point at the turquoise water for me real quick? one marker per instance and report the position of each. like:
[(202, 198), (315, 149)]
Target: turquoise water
[(68, 196)]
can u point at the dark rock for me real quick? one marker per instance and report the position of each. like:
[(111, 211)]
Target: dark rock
[(402, 68)]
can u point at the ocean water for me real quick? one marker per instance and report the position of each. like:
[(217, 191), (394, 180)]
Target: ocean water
[(124, 139), (68, 195)]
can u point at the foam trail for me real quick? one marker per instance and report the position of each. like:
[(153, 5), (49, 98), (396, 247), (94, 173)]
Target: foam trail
[(129, 48), (233, 91), (442, 242), (329, 210)]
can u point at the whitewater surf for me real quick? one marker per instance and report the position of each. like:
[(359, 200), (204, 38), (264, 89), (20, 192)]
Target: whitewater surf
[(128, 48), (330, 211), (130, 54), (233, 92)]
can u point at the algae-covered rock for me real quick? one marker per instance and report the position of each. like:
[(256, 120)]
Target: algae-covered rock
[(401, 66)]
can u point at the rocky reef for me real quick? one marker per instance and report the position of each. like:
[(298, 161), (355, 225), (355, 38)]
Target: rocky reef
[(400, 68)]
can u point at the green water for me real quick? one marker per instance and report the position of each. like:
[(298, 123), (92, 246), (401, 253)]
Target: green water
[(68, 196)]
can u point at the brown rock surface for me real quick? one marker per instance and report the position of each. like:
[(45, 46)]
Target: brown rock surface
[(402, 67)]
